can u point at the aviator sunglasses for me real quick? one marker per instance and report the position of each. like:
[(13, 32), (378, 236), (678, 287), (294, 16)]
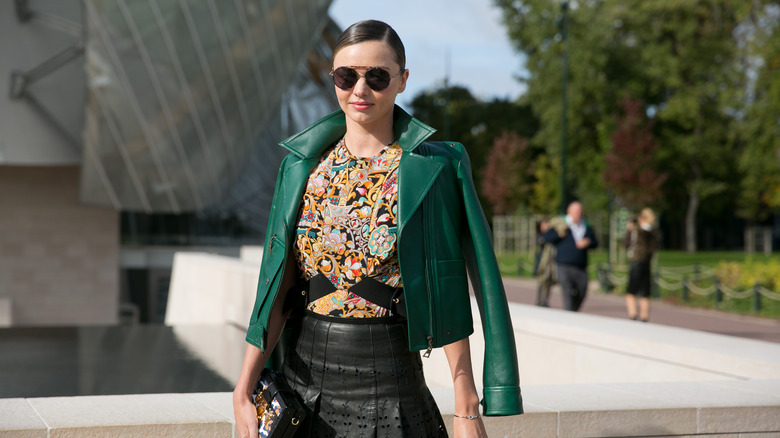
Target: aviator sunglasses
[(377, 78)]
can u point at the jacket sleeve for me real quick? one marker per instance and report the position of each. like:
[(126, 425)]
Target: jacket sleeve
[(501, 381), (257, 331), (551, 236), (590, 234)]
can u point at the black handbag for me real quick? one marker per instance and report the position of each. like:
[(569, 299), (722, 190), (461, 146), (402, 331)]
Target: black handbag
[(280, 411)]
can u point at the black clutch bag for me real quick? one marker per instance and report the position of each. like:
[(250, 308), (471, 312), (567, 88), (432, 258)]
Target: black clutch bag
[(280, 411)]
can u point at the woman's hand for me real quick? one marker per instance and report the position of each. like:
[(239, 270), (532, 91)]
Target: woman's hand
[(583, 243), (245, 414), (244, 410), (465, 428), (466, 397)]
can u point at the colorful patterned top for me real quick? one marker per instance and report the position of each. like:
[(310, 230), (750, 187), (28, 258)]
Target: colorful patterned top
[(347, 227)]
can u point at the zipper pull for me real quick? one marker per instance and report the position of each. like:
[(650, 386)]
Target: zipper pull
[(272, 242), (430, 347)]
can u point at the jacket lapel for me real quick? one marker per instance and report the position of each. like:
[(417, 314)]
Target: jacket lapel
[(416, 175)]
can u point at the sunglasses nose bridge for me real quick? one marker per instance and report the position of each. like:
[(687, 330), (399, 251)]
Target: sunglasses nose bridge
[(361, 84)]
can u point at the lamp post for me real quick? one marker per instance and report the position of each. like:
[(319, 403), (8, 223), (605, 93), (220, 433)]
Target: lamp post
[(446, 129), (564, 106)]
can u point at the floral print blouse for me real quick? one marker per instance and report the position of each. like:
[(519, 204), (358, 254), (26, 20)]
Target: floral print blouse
[(347, 227)]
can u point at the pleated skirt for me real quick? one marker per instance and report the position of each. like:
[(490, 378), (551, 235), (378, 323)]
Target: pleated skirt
[(639, 279), (359, 379)]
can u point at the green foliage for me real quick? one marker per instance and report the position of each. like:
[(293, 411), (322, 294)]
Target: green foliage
[(737, 270), (631, 168), (506, 180), (688, 62), (545, 197), (743, 276), (458, 115), (760, 128), (710, 259)]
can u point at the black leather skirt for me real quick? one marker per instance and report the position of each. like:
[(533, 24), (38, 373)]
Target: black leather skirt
[(359, 379)]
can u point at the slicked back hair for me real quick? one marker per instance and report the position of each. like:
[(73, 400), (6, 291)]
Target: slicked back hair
[(373, 30)]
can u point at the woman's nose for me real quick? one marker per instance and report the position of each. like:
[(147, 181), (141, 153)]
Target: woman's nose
[(361, 87)]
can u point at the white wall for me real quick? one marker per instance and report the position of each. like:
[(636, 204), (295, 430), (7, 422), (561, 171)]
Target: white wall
[(211, 289), (554, 347), (59, 259)]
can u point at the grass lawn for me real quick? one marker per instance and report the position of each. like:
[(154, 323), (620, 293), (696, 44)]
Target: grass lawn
[(710, 259), (672, 266)]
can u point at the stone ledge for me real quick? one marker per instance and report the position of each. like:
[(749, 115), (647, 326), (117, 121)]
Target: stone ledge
[(669, 409), (6, 312), (146, 415)]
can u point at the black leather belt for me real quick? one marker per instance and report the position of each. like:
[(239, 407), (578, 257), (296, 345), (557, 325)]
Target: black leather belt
[(371, 290)]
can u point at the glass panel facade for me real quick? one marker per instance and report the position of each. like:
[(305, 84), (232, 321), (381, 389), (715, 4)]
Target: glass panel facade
[(187, 99)]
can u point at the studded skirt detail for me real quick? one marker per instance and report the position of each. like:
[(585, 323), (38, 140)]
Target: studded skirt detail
[(359, 379)]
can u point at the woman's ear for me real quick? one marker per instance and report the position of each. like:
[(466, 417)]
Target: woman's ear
[(404, 77)]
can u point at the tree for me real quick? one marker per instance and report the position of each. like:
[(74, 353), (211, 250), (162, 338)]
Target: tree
[(760, 128), (471, 121), (676, 56), (545, 197), (631, 167), (594, 85), (691, 57), (474, 122), (506, 180)]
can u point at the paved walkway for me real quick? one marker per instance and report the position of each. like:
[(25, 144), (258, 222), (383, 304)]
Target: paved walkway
[(523, 290)]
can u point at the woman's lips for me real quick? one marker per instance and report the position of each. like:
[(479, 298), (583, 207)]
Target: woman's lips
[(360, 106)]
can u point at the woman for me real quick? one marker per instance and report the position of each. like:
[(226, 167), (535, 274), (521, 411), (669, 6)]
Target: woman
[(370, 230), (640, 244)]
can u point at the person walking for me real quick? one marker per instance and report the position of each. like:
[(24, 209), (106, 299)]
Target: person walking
[(372, 233), (640, 242), (571, 256), (544, 270)]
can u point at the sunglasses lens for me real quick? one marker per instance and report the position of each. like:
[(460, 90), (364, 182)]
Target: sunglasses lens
[(377, 78), (345, 77)]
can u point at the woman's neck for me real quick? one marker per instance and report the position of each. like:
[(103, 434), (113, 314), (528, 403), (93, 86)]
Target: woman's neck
[(362, 142)]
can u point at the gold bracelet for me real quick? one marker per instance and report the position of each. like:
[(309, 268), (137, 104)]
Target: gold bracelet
[(468, 417)]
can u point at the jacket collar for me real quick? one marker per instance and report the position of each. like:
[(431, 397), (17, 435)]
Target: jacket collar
[(416, 173), (312, 141)]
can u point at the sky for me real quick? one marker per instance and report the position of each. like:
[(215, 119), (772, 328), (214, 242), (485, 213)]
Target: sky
[(481, 57)]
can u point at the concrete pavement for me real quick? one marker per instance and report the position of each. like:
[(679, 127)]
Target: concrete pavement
[(523, 290)]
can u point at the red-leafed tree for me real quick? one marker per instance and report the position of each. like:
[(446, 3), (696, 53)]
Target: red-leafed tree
[(631, 169), (506, 177)]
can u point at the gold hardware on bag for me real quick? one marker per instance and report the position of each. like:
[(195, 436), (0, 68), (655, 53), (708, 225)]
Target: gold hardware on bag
[(295, 421)]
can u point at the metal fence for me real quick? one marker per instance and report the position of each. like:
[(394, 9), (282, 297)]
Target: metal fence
[(686, 280)]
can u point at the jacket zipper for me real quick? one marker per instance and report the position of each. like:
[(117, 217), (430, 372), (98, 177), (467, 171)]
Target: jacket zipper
[(263, 341), (430, 347), (264, 338), (429, 260)]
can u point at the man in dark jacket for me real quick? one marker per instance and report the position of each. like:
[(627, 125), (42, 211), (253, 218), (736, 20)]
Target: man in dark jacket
[(572, 256)]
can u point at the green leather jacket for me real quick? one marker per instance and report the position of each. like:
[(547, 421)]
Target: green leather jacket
[(442, 234)]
